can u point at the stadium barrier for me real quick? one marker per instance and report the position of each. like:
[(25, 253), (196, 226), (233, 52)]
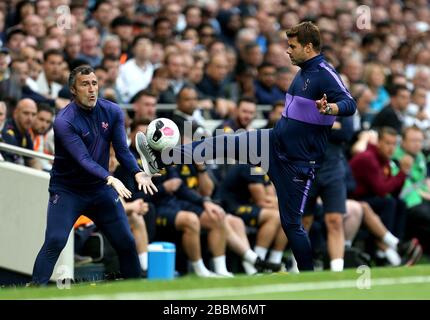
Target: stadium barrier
[(23, 202)]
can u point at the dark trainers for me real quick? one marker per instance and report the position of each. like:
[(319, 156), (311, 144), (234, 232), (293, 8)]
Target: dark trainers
[(406, 248), (273, 267), (260, 265), (265, 266), (149, 160), (411, 252)]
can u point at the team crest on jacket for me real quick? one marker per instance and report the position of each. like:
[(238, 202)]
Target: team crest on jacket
[(105, 125), (307, 82)]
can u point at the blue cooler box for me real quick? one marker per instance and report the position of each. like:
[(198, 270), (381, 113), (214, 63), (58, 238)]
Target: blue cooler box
[(161, 260)]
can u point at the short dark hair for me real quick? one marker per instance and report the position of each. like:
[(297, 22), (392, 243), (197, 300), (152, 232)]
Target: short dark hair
[(109, 57), (99, 3), (84, 69), (246, 99), (12, 31), (139, 122), (52, 52), (143, 92), (45, 107), (389, 131), (265, 65), (395, 89), (160, 20), (306, 32), (138, 38), (185, 87), (121, 21)]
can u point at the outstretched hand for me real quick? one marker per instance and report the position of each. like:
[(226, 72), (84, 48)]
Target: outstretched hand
[(322, 104), (145, 183), (119, 187)]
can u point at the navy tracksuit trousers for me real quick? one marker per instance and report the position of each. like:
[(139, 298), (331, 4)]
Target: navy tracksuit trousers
[(104, 207)]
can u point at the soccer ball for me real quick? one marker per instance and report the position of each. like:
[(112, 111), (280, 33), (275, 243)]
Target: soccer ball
[(162, 133)]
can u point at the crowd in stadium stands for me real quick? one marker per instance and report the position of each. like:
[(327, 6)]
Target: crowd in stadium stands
[(220, 60)]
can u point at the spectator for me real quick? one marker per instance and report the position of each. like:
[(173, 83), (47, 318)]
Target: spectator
[(102, 14), (175, 66), (163, 32), (123, 28), (160, 81), (375, 183), (214, 82), (111, 46), (275, 55), (136, 74), (57, 33), (284, 77), (375, 78), (33, 26), (16, 131), (193, 16), (417, 114), (252, 55), (16, 88), (186, 106), (35, 65), (15, 41), (197, 178), (230, 23), (207, 34), (353, 69), (266, 90), (248, 195), (72, 47), (393, 115), (244, 37), (172, 11), (144, 106), (362, 118), (48, 80), (3, 113), (89, 47), (111, 65), (4, 62), (416, 189), (191, 35), (195, 75), (245, 113), (43, 9), (38, 133), (275, 113)]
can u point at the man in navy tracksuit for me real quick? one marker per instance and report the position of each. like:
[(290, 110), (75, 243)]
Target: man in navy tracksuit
[(80, 181), (295, 147)]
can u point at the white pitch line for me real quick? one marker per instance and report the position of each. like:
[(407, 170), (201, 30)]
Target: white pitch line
[(209, 293)]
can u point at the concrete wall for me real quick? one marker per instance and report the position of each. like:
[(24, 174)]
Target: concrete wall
[(23, 203)]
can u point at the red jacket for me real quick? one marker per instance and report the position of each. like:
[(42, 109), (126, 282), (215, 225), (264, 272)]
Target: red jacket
[(372, 174)]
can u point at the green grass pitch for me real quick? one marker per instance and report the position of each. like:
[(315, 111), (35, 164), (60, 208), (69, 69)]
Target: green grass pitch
[(385, 283)]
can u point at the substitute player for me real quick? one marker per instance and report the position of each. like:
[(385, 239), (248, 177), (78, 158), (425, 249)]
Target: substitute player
[(295, 146), (80, 180)]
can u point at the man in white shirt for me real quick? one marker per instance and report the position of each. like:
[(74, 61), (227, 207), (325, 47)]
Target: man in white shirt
[(136, 74), (47, 82)]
